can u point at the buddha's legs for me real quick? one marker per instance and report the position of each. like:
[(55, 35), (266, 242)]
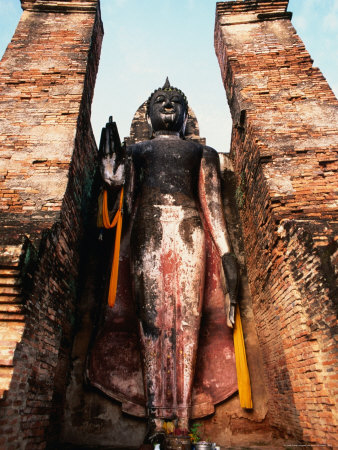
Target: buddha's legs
[(168, 273)]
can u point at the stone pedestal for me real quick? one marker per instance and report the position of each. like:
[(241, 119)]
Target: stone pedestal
[(178, 443)]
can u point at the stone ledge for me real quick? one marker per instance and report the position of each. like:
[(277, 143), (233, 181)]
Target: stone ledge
[(239, 19), (257, 6), (61, 6)]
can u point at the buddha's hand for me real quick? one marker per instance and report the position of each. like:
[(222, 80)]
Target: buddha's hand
[(112, 155), (230, 268)]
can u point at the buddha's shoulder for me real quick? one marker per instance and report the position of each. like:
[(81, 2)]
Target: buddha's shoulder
[(139, 146), (153, 144), (210, 154)]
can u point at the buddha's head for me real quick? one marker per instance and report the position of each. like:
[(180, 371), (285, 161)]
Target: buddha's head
[(167, 109)]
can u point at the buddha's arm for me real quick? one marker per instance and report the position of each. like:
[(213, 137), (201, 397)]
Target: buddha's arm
[(211, 202), (116, 166)]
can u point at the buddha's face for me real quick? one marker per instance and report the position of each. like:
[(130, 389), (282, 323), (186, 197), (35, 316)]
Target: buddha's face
[(167, 111)]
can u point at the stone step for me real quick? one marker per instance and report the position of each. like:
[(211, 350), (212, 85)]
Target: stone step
[(9, 281), (10, 308), (5, 373), (6, 355), (10, 290), (10, 265), (5, 379), (10, 333), (9, 272), (16, 299), (8, 317)]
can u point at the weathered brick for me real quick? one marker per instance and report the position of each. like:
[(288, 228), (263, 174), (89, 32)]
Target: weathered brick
[(284, 140), (46, 93)]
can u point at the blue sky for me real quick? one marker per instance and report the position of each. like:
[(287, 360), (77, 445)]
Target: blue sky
[(146, 40)]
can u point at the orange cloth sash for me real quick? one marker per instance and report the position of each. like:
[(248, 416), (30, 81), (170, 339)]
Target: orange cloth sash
[(117, 221)]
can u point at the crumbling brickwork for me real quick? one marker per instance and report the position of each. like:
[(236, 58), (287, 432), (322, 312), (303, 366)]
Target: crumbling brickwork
[(47, 165), (284, 150)]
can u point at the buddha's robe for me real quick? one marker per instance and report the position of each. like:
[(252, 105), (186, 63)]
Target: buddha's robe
[(169, 321)]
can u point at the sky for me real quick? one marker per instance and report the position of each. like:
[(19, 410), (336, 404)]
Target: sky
[(147, 40)]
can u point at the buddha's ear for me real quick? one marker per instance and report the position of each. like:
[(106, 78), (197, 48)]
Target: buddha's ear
[(150, 126), (182, 132)]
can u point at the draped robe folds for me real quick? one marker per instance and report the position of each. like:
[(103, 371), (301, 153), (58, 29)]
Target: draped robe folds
[(165, 349)]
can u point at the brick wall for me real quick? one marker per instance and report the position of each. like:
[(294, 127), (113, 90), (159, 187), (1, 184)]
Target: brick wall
[(284, 151), (47, 166)]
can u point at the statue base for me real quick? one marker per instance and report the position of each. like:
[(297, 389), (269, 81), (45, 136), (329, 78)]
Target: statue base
[(177, 443)]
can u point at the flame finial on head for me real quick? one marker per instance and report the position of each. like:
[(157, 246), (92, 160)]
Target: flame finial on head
[(166, 84)]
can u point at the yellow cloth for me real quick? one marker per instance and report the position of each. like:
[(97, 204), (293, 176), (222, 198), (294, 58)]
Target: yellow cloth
[(243, 376), (169, 427), (103, 219)]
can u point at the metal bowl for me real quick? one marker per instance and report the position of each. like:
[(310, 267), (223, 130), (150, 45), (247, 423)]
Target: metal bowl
[(203, 446)]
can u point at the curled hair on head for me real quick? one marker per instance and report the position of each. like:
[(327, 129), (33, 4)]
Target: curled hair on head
[(167, 87)]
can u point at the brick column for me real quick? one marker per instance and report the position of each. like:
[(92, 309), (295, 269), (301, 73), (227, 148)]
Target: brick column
[(284, 149), (47, 167)]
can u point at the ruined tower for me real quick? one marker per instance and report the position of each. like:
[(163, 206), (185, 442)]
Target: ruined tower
[(284, 150), (47, 165)]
